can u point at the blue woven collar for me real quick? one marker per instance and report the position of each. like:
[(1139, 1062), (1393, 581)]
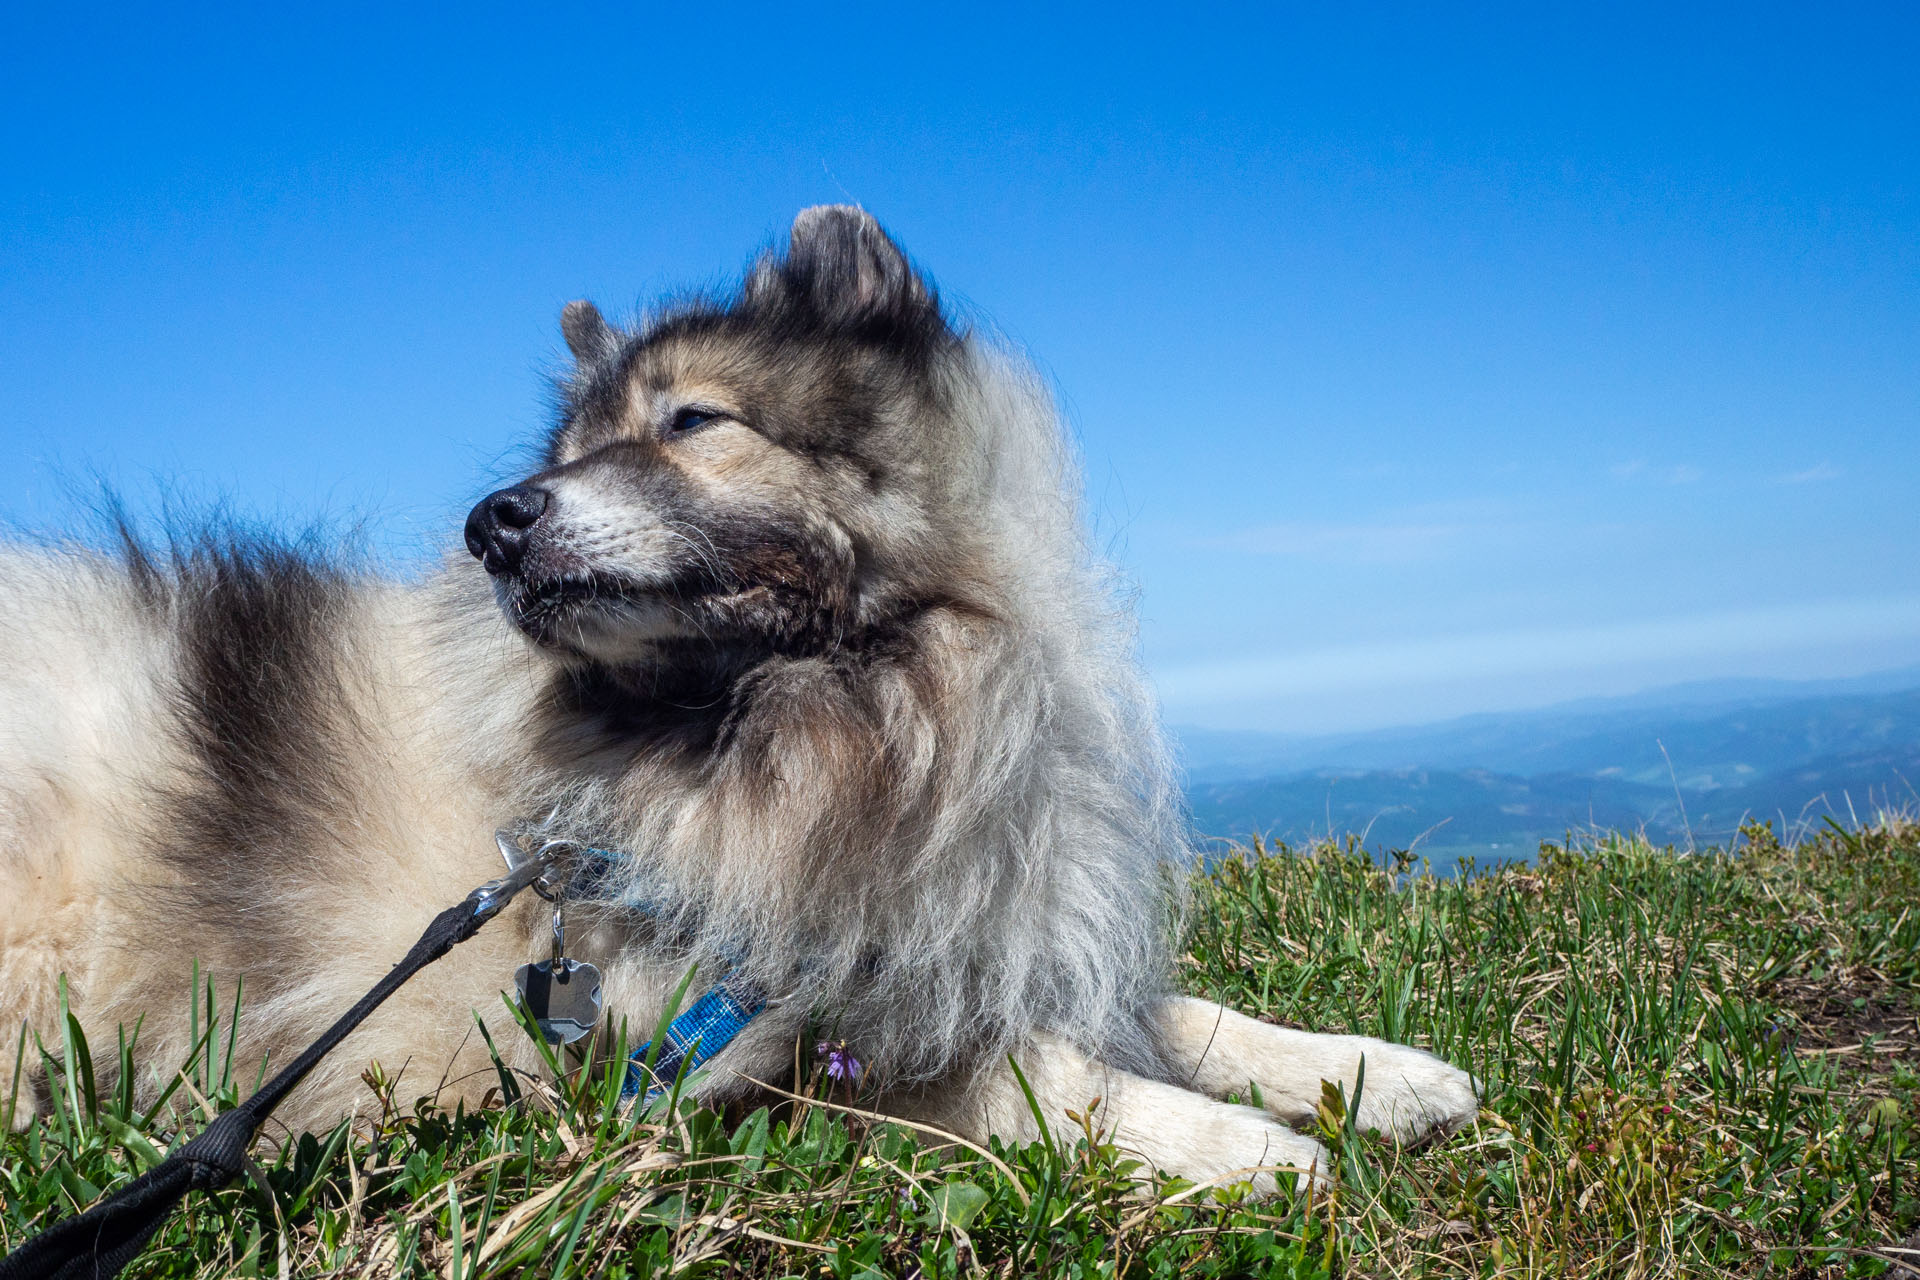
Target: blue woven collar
[(699, 1031)]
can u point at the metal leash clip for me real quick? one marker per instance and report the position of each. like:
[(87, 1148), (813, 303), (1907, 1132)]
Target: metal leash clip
[(562, 996)]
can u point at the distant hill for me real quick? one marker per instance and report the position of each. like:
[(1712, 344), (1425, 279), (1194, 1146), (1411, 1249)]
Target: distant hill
[(1684, 763)]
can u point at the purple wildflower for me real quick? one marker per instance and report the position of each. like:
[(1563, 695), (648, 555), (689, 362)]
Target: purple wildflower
[(841, 1064)]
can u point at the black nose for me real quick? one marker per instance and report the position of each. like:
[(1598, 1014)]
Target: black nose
[(497, 526)]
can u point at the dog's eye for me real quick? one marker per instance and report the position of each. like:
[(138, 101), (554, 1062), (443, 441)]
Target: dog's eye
[(690, 419)]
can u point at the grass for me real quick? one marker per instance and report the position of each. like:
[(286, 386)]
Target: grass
[(1699, 1065)]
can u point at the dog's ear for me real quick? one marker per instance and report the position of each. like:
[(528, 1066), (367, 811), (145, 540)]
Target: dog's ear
[(848, 270), (588, 335)]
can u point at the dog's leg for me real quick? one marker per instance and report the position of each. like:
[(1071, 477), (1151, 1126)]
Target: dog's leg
[(1172, 1129), (1407, 1093)]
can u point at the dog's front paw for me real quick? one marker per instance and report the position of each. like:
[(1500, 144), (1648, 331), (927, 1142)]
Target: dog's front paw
[(1230, 1140), (1407, 1094)]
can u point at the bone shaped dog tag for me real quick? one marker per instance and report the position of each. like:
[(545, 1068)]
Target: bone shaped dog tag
[(562, 996)]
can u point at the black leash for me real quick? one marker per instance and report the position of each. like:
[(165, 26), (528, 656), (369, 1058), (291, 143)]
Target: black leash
[(98, 1243)]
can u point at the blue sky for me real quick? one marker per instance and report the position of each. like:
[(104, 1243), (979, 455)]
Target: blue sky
[(1423, 361)]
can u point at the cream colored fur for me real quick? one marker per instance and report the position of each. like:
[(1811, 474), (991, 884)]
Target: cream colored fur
[(80, 738)]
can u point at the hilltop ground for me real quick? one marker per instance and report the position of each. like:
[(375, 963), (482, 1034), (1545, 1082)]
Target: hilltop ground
[(1699, 1065)]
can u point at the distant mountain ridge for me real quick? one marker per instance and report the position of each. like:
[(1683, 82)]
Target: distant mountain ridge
[(1685, 763)]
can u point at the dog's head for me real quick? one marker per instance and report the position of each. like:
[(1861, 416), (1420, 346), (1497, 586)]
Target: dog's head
[(748, 473)]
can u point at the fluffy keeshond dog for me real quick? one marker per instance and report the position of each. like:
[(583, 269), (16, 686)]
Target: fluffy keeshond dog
[(800, 619)]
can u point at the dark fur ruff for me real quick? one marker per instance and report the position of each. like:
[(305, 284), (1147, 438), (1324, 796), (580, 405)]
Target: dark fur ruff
[(885, 728)]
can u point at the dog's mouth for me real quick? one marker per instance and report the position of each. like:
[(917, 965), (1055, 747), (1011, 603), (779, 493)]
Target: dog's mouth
[(607, 615), (540, 609), (555, 610)]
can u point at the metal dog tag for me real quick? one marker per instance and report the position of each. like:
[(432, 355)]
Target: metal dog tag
[(562, 996)]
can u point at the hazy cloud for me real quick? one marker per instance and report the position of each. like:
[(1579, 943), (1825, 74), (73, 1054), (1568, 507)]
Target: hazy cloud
[(1421, 660), (1387, 543), (1819, 473), (1419, 533), (1641, 469)]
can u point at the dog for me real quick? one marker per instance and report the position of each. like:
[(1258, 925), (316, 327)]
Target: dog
[(798, 618)]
